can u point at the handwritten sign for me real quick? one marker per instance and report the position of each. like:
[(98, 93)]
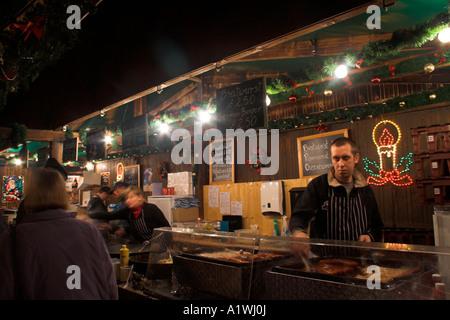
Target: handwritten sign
[(242, 106), (70, 150), (135, 132), (131, 175), (221, 171), (95, 145), (314, 152)]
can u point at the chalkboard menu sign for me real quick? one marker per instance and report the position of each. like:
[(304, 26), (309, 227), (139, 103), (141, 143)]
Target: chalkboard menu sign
[(242, 106), (221, 172), (135, 132), (131, 175), (70, 150), (314, 152), (95, 145)]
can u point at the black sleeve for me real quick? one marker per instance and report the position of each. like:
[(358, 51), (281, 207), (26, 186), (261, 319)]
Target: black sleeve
[(375, 221), (158, 216), (122, 214), (305, 208)]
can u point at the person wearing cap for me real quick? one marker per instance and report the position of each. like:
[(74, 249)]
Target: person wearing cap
[(97, 204), (120, 227)]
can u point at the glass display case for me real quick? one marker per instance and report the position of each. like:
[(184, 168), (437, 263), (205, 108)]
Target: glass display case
[(221, 265)]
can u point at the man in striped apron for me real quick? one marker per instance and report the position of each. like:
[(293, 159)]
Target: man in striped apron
[(338, 205)]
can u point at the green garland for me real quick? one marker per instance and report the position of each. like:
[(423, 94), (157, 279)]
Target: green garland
[(375, 52), (24, 60), (364, 111), (185, 116)]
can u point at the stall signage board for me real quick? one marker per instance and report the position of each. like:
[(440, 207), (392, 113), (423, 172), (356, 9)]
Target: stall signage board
[(221, 172), (135, 132), (70, 150), (242, 106), (314, 152), (131, 175), (95, 145)]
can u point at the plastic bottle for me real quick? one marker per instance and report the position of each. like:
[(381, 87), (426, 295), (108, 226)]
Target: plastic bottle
[(124, 256), (275, 228), (284, 228)]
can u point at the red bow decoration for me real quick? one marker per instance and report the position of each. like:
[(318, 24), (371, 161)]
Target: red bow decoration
[(392, 70), (391, 176), (36, 27), (194, 108), (321, 128), (358, 63), (311, 92), (347, 80), (291, 82), (443, 58)]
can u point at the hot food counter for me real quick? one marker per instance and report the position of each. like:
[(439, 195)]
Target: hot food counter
[(183, 264)]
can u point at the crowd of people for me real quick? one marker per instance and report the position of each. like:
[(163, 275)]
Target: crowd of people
[(49, 254)]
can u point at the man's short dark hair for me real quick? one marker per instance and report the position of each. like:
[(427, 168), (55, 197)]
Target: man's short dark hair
[(341, 141), (104, 189)]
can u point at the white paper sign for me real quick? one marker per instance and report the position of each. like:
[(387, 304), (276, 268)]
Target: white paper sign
[(213, 196), (225, 203), (236, 208)]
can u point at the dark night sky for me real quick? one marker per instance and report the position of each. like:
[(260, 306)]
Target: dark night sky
[(129, 46)]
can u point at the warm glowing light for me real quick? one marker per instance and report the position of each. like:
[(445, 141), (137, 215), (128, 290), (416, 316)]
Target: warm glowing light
[(341, 71), (108, 139), (444, 35), (18, 162), (90, 166), (268, 101), (387, 145), (164, 128), (204, 116)]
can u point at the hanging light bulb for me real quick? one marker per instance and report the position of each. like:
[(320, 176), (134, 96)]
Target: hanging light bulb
[(444, 35), (205, 116), (90, 166), (164, 128), (341, 71), (268, 101)]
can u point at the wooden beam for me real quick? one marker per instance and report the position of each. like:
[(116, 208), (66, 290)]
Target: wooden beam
[(179, 95), (236, 57)]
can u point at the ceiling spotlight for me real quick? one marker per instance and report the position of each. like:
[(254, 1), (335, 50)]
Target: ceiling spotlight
[(159, 89), (103, 113), (341, 71)]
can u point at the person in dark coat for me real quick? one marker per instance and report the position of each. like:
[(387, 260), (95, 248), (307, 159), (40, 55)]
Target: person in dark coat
[(97, 204), (52, 255), (51, 163), (338, 205)]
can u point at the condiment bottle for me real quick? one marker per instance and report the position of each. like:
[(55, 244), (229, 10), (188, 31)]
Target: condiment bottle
[(124, 256)]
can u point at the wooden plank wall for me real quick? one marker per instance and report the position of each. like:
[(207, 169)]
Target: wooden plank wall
[(400, 207)]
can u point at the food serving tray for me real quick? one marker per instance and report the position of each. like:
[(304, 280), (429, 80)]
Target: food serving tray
[(224, 278), (392, 274)]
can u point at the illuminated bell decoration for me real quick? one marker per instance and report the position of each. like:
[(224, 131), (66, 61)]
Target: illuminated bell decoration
[(293, 98), (387, 146), (328, 92), (428, 68)]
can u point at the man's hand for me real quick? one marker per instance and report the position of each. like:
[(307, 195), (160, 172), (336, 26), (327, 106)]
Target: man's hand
[(300, 248), (365, 238)]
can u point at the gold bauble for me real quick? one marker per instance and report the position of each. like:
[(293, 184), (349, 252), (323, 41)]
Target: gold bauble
[(429, 67), (432, 96), (401, 103), (328, 92)]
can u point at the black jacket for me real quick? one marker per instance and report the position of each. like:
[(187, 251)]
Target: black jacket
[(328, 213)]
